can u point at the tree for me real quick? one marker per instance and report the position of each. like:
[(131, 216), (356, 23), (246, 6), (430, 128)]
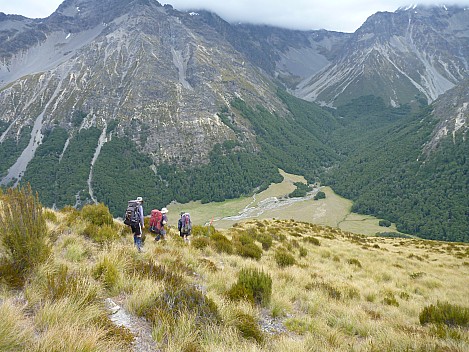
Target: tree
[(320, 195)]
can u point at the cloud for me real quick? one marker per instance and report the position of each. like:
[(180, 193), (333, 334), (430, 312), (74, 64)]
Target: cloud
[(335, 15), (29, 8)]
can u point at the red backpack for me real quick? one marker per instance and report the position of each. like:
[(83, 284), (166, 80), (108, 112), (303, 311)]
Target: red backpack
[(155, 220)]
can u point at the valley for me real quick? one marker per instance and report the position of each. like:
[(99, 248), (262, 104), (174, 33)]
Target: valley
[(117, 99), (273, 203)]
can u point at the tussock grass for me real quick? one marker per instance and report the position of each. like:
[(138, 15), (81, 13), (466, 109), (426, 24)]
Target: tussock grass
[(77, 338), (23, 234), (341, 291), (15, 332), (66, 311)]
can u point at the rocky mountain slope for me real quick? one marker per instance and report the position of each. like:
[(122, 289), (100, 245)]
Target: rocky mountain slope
[(152, 71), (414, 53), (452, 112)]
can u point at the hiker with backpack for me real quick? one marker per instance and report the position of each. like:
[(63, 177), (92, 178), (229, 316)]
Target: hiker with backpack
[(158, 220), (134, 218), (185, 226)]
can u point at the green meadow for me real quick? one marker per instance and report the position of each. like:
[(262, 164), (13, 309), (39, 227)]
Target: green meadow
[(333, 211)]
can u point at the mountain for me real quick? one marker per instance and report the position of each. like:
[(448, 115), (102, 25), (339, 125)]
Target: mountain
[(415, 53), (287, 55), (104, 101), (143, 88), (141, 64)]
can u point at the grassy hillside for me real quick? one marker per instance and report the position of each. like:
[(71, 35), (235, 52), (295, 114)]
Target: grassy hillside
[(260, 286)]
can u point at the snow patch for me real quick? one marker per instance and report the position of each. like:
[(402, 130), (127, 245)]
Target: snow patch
[(68, 35), (193, 14)]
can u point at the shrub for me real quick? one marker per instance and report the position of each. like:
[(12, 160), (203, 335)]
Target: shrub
[(50, 215), (445, 313), (266, 240), (390, 300), (248, 327), (90, 231), (209, 264), (355, 262), (239, 292), (200, 242), (384, 223), (249, 250), (72, 215), (283, 258), (416, 275), (23, 233), (221, 244), (101, 234), (199, 230), (312, 240), (97, 214), (176, 302), (243, 238), (106, 233), (391, 235), (258, 282)]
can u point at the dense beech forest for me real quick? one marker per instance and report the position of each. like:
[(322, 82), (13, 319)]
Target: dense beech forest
[(384, 171)]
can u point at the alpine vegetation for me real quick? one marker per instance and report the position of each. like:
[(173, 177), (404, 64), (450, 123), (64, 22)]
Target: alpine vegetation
[(307, 288)]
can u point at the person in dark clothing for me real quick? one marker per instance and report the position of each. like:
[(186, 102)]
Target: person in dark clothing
[(137, 228), (185, 226)]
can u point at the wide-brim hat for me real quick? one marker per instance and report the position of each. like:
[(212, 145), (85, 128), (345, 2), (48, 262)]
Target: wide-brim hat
[(164, 210)]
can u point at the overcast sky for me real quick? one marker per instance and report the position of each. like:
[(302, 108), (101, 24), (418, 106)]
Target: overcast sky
[(336, 15)]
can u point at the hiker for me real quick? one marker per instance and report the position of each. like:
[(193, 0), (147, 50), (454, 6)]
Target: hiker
[(134, 218), (185, 226), (158, 220)]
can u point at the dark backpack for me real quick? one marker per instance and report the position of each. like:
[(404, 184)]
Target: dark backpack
[(155, 220), (132, 214), (186, 224)]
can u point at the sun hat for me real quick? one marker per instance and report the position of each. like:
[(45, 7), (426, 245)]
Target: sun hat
[(164, 210)]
